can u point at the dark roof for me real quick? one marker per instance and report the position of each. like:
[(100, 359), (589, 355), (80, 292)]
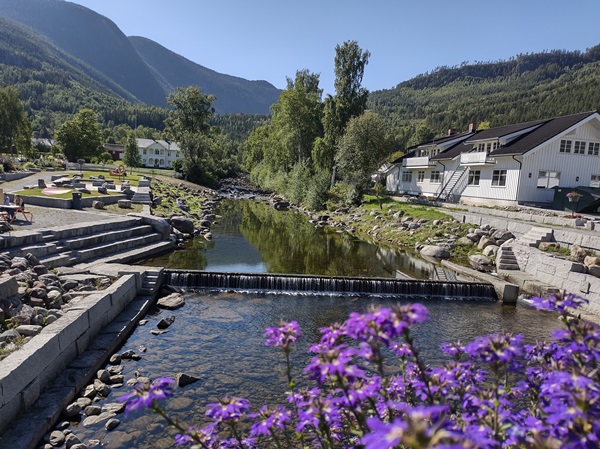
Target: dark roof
[(442, 139), (544, 130)]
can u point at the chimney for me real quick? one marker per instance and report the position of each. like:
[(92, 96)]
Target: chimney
[(451, 131), (472, 127)]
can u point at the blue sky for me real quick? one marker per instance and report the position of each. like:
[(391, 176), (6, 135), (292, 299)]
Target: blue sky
[(271, 39)]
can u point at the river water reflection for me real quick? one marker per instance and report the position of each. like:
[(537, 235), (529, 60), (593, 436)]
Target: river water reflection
[(252, 237), (218, 336)]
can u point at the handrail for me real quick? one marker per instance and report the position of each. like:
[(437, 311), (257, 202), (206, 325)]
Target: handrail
[(456, 181)]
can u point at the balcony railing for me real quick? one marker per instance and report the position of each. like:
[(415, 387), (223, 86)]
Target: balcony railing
[(417, 162), (479, 158)]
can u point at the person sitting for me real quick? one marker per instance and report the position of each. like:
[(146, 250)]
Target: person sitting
[(19, 201), (9, 211)]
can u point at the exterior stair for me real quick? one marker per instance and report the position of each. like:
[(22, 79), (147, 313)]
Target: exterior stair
[(536, 235), (142, 196), (151, 281), (506, 259), (123, 239), (451, 191)]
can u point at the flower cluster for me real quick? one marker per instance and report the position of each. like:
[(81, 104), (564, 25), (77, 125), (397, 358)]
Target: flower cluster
[(374, 391), (574, 195)]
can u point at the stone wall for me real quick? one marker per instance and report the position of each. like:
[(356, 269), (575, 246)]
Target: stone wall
[(25, 373)]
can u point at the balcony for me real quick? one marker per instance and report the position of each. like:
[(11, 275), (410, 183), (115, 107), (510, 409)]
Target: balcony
[(479, 158), (418, 162)]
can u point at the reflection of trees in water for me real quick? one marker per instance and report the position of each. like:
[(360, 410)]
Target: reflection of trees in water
[(190, 258), (290, 244)]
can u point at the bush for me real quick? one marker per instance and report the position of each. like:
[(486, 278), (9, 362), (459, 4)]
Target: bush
[(343, 195)]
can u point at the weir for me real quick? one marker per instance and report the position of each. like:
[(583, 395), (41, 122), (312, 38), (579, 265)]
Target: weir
[(323, 284)]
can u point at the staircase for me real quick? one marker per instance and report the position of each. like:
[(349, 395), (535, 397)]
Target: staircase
[(440, 274), (449, 191), (536, 235), (123, 239), (506, 259), (142, 196)]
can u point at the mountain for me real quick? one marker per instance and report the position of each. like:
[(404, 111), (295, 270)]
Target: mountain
[(233, 94), (96, 42)]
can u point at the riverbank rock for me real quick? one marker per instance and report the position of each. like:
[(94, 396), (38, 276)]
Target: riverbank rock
[(183, 224), (438, 252), (480, 262), (171, 302), (182, 379)]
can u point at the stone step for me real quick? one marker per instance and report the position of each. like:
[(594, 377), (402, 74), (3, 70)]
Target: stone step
[(507, 266), (88, 228)]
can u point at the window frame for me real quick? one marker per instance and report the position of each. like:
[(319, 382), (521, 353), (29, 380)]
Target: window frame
[(565, 146), (593, 149), (406, 176), (474, 177), (548, 177), (499, 178), (421, 176), (579, 147), (435, 177)]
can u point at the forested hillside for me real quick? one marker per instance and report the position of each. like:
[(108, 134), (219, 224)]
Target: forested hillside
[(83, 41), (526, 87)]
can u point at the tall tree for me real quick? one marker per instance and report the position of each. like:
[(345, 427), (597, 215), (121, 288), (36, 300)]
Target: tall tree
[(296, 120), (189, 124), (350, 100), (362, 148), (15, 127), (131, 156), (80, 137)]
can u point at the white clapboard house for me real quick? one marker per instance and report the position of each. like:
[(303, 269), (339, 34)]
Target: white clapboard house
[(508, 165)]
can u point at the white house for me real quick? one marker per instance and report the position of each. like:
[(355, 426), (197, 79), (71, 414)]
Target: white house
[(158, 153), (507, 165)]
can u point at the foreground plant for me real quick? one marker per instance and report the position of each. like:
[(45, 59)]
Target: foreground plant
[(374, 391)]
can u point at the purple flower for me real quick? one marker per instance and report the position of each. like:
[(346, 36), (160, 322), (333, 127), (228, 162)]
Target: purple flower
[(228, 409), (334, 365), (145, 394), (284, 335), (558, 303), (383, 435), (271, 419), (497, 349)]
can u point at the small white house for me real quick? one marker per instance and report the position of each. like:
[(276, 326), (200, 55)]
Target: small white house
[(507, 165), (158, 153)]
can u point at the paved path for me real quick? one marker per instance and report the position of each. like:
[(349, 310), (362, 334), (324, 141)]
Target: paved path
[(49, 217)]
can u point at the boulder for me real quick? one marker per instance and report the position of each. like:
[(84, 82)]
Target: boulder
[(183, 224), (97, 204), (465, 241), (591, 260), (435, 251), (485, 241), (578, 254), (183, 379), (165, 322), (545, 246), (594, 270), (480, 262), (502, 235), (171, 302), (490, 250)]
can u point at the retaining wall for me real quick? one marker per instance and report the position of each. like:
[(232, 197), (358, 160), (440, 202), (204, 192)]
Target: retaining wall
[(67, 203), (25, 373)]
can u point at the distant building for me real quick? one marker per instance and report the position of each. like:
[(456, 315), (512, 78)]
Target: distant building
[(116, 151), (525, 163), (158, 153)]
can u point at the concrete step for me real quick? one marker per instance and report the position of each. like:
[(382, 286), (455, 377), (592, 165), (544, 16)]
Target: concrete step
[(89, 228), (136, 254), (536, 235), (104, 249), (109, 236), (151, 281), (506, 259)]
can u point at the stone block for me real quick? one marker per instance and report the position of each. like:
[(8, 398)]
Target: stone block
[(124, 204)]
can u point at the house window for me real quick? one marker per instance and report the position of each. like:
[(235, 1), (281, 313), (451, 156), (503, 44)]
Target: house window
[(499, 178), (579, 147), (436, 177), (548, 179), (595, 181), (474, 176), (593, 148), (565, 146), (420, 176), (144, 151), (157, 152), (406, 176)]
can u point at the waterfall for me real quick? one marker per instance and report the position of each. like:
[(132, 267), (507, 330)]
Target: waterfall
[(322, 284)]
